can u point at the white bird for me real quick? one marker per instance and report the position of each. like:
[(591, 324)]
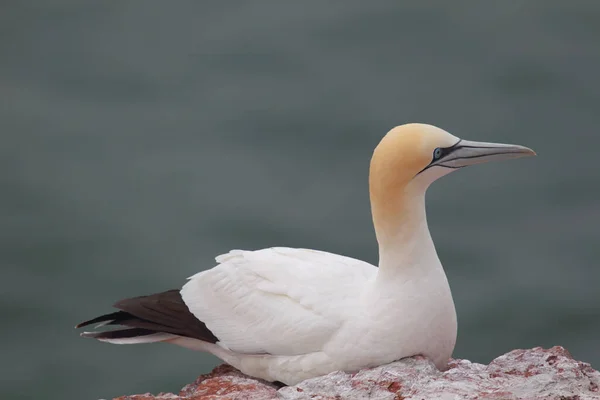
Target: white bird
[(286, 314)]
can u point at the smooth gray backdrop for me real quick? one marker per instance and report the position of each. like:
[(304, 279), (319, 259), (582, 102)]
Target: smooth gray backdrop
[(139, 139)]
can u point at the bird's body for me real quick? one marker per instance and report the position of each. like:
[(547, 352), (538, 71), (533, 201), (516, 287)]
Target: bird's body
[(319, 312), (285, 314)]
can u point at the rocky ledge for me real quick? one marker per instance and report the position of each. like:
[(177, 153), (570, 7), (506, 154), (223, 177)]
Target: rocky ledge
[(521, 374)]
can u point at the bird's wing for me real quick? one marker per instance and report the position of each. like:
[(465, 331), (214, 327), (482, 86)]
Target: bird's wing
[(276, 300)]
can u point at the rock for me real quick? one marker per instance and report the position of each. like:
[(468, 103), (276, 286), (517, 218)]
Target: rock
[(223, 383), (521, 374)]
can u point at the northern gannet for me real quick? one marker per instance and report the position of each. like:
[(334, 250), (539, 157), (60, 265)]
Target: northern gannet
[(288, 314)]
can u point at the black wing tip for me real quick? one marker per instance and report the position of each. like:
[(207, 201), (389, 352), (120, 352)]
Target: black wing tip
[(125, 303), (86, 323), (103, 318), (164, 312)]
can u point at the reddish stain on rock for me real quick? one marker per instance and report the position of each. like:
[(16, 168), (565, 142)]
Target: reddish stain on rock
[(394, 387), (223, 383)]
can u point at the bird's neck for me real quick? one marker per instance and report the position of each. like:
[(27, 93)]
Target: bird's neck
[(405, 244)]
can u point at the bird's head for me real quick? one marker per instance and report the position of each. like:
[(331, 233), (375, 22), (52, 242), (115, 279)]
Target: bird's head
[(419, 154), (410, 157)]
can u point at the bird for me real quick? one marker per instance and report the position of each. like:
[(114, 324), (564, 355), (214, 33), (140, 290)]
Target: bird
[(289, 314)]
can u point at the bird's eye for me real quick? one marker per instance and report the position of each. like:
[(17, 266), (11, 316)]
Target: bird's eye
[(437, 153)]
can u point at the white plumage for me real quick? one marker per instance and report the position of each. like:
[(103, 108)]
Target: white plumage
[(279, 301), (288, 314)]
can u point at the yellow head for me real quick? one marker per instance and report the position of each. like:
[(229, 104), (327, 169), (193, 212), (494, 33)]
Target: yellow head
[(404, 152), (410, 157)]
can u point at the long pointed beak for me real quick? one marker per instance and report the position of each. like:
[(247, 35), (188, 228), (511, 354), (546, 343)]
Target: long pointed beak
[(466, 152)]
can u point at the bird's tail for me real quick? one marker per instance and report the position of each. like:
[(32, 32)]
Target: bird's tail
[(158, 317), (124, 335)]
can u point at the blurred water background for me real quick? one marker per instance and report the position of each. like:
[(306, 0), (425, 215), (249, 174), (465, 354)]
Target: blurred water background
[(141, 139)]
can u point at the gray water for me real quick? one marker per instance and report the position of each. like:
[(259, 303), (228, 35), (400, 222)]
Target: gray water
[(141, 139)]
